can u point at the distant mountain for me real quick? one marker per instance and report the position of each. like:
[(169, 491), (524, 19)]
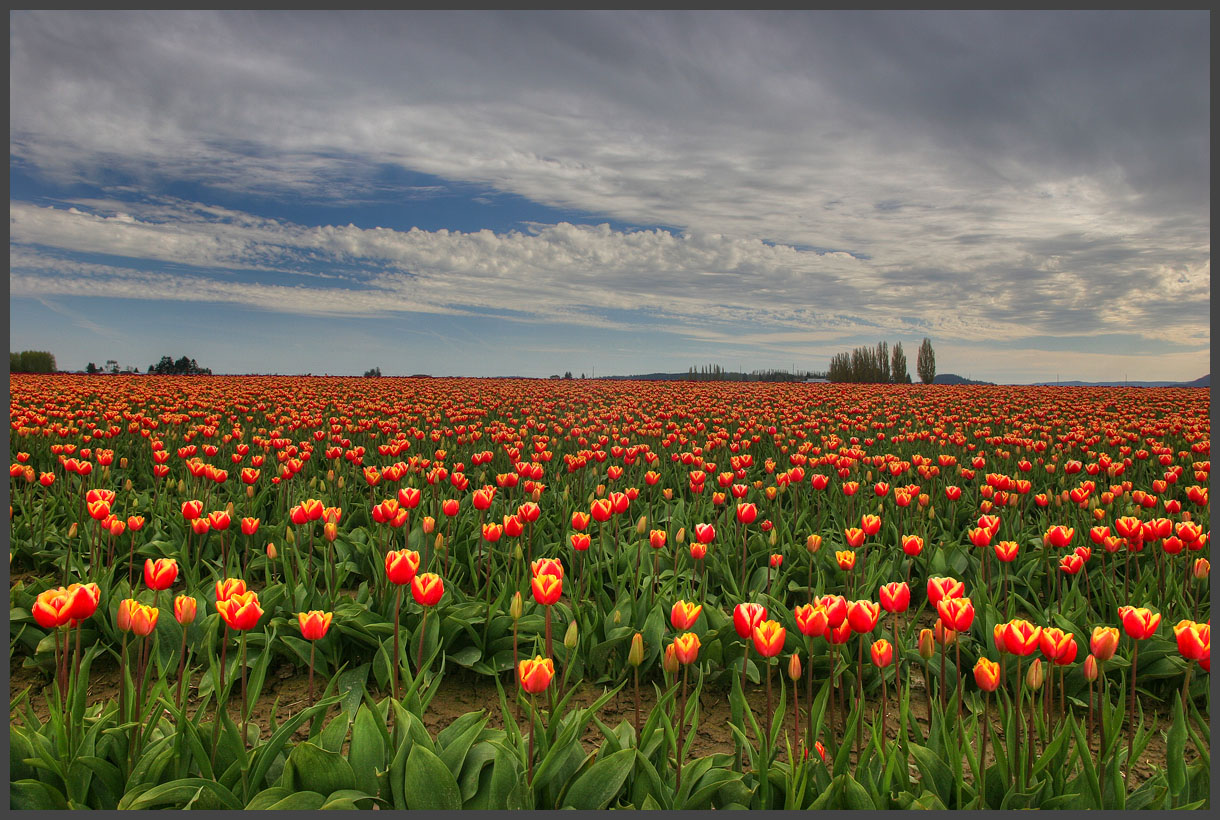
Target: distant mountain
[(1202, 381), (953, 378)]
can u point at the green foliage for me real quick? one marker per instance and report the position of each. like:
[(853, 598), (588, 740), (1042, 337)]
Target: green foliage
[(31, 361)]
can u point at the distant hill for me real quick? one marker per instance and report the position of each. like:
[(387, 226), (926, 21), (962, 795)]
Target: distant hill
[(1202, 381), (953, 378)]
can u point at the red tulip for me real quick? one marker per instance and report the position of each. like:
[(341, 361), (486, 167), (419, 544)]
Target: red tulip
[(428, 587)]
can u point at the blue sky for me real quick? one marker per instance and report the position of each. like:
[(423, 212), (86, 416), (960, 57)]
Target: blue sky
[(529, 193)]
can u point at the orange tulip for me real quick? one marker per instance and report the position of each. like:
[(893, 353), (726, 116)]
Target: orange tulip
[(401, 566), (143, 619), (683, 615), (535, 675), (1139, 622), (769, 638), (854, 537), (882, 653), (1104, 642), (895, 596), (846, 560), (314, 624), (1021, 637), (863, 615), (428, 587), (185, 608), (956, 613), (240, 611), (160, 574), (987, 674), (686, 648), (546, 588), (811, 620)]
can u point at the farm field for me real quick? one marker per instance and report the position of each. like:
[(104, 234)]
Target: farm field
[(509, 593)]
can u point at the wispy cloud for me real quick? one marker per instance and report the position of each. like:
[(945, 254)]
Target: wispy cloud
[(976, 177)]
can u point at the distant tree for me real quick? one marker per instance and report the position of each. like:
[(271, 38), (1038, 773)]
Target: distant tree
[(91, 368), (567, 374), (374, 373), (31, 361), (898, 366), (925, 362)]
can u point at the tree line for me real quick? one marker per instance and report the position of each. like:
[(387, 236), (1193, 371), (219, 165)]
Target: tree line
[(31, 361), (873, 365)]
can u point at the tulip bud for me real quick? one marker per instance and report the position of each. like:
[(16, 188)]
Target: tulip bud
[(249, 491), (271, 551), (519, 553), (330, 475), (229, 509), (181, 486), (330, 531), (641, 526), (71, 530), (127, 485), (1033, 678), (931, 512), (515, 608), (772, 539), (927, 644), (439, 544), (1090, 668), (670, 661), (1202, 568), (635, 655), (288, 536), (813, 543), (680, 538), (429, 524), (322, 486), (339, 484), (794, 666), (570, 638), (313, 482), (123, 464), (618, 617)]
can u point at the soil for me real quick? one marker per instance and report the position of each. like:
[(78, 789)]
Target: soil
[(462, 693)]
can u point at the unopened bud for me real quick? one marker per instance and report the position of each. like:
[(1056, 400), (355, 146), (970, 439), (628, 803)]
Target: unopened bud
[(670, 661), (794, 666), (123, 463), (518, 553), (516, 606), (680, 538), (271, 551), (618, 617), (288, 536), (932, 512), (249, 491), (536, 495), (813, 543), (330, 531), (1202, 568), (330, 475), (1090, 668), (339, 483), (313, 482), (635, 656), (127, 485), (229, 509), (71, 530), (181, 486), (429, 524), (641, 526), (772, 540), (1033, 678), (571, 637), (439, 543), (927, 644)]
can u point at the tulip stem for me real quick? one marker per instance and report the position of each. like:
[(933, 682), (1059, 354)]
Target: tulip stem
[(423, 629), (984, 728), (181, 663), (397, 671), (529, 755), (681, 727), (312, 648), (1131, 738)]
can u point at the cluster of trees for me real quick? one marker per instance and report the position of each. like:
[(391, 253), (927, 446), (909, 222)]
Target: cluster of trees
[(31, 361), (182, 367), (880, 365), (373, 373), (714, 372)]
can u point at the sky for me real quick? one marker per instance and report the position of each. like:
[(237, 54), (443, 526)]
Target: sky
[(481, 194)]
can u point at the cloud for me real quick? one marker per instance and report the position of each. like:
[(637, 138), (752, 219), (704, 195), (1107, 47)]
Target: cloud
[(705, 286), (974, 176)]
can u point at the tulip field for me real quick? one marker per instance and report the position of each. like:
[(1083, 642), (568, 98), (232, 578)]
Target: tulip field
[(674, 595)]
